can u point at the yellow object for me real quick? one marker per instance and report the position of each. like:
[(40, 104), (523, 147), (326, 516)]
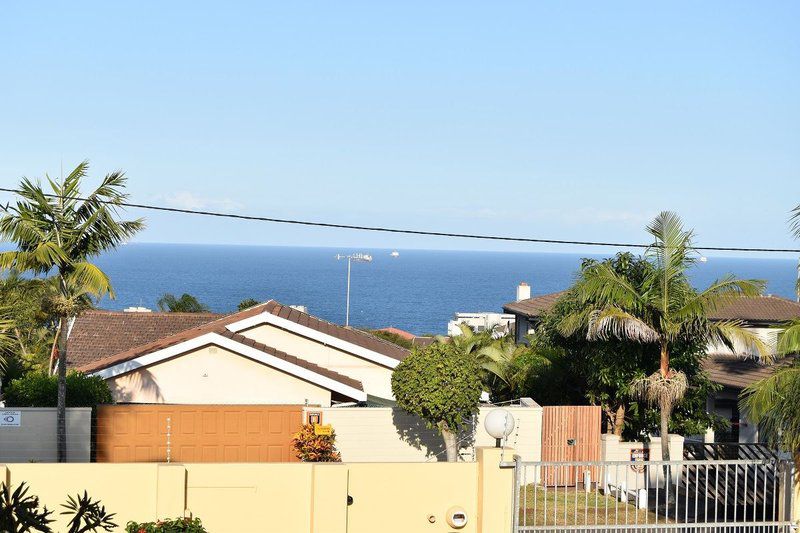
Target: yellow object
[(326, 430), (288, 497)]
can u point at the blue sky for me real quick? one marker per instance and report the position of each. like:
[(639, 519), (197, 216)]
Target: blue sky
[(571, 120)]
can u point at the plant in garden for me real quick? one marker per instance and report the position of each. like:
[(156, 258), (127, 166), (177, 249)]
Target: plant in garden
[(661, 308), (58, 232), (19, 511), (88, 516), (441, 386), (40, 389), (312, 448), (173, 525)]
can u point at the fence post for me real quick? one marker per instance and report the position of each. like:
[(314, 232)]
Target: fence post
[(171, 491), (495, 491)]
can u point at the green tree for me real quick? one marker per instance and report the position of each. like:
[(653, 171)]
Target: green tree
[(442, 387), (185, 304), (248, 303), (32, 331), (601, 372), (58, 233), (662, 310)]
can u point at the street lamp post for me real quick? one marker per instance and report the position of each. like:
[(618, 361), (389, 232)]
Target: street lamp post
[(358, 258)]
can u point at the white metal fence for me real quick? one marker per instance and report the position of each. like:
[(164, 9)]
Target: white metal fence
[(743, 495)]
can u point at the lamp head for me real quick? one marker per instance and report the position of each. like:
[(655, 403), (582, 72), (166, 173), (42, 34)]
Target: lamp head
[(499, 423)]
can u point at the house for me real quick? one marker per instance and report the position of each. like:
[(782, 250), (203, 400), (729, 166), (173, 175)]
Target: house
[(268, 354), (734, 370)]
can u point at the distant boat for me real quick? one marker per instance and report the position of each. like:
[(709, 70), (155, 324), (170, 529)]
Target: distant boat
[(704, 259), (395, 253)]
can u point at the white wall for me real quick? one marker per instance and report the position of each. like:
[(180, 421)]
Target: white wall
[(373, 434), (35, 438)]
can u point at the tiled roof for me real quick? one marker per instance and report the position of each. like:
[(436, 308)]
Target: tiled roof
[(103, 354), (757, 309), (98, 334), (353, 336), (533, 307), (738, 372), (403, 334), (763, 309)]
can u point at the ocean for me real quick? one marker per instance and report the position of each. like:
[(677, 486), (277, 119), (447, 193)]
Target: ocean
[(418, 291)]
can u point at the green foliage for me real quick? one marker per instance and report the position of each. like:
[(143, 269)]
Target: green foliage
[(247, 303), (88, 516), (39, 389), (31, 327), (438, 384), (174, 525), (312, 448), (394, 338), (19, 511), (185, 304)]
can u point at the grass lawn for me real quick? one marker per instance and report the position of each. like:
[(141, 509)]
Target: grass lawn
[(542, 506)]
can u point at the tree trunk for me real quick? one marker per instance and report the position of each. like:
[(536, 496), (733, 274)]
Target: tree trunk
[(665, 412), (450, 442), (619, 420), (61, 411)]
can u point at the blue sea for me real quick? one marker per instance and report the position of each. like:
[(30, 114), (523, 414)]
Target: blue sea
[(418, 291)]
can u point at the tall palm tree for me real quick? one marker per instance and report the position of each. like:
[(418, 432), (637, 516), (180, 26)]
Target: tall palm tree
[(662, 309), (58, 232)]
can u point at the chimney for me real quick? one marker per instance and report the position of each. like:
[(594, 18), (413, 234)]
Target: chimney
[(523, 291)]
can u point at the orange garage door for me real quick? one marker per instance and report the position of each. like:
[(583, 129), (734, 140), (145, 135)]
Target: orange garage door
[(196, 433)]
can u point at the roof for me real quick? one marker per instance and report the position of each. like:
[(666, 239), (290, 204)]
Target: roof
[(97, 334), (762, 309), (108, 351), (353, 336), (757, 309), (738, 372), (403, 334), (533, 307)]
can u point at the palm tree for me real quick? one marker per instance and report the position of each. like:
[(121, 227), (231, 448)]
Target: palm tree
[(59, 232), (662, 309), (185, 304)]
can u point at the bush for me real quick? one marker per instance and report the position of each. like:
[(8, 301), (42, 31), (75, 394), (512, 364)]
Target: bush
[(39, 389), (175, 525), (313, 448)]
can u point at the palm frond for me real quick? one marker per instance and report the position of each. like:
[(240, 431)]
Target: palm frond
[(789, 338), (613, 322), (740, 339), (720, 293), (87, 278), (794, 221)]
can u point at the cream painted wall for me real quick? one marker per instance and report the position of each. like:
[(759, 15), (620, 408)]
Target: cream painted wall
[(376, 379), (287, 498), (213, 375), (370, 434)]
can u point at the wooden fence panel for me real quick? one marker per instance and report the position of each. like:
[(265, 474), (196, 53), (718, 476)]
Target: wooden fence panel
[(570, 433)]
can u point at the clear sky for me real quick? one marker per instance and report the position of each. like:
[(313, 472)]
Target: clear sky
[(571, 120)]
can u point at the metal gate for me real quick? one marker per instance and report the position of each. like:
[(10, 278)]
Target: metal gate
[(742, 495)]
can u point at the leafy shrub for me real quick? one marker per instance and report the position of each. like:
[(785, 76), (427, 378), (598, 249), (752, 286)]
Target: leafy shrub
[(313, 448), (39, 389), (175, 525), (20, 511)]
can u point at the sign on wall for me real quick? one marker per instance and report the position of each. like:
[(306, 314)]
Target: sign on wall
[(326, 430), (10, 419)]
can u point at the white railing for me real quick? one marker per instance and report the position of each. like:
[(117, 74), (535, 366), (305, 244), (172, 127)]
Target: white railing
[(743, 495)]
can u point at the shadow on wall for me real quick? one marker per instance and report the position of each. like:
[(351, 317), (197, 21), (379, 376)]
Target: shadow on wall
[(417, 434), (139, 386)]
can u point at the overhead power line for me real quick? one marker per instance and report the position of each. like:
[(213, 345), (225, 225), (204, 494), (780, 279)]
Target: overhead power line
[(382, 229)]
